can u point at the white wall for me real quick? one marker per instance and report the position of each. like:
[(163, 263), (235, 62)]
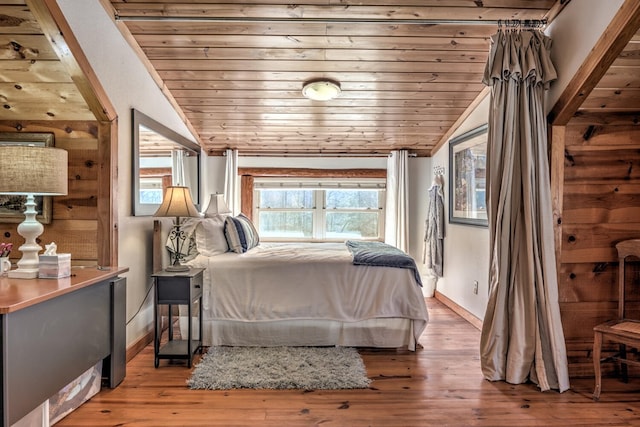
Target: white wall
[(466, 248), (128, 85), (420, 180)]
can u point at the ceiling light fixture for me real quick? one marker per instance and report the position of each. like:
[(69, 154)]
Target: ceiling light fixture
[(321, 89)]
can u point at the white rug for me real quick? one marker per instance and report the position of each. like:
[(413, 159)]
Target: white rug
[(306, 368)]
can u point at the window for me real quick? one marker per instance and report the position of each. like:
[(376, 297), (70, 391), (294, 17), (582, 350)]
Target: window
[(319, 209), (152, 170), (151, 190)]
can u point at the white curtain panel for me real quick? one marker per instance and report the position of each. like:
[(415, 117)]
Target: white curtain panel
[(231, 193), (178, 175), (396, 224), (522, 337)]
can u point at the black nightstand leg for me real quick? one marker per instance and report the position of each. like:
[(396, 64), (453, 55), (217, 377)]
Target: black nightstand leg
[(190, 334), (170, 322), (156, 337), (200, 323)]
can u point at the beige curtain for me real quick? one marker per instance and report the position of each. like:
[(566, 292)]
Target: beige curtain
[(522, 336)]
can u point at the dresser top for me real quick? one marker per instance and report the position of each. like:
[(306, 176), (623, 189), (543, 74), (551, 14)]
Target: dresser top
[(16, 294)]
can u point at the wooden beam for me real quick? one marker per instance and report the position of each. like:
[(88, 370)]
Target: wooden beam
[(557, 140), (313, 173), (108, 193), (155, 172), (246, 195), (615, 37), (66, 46)]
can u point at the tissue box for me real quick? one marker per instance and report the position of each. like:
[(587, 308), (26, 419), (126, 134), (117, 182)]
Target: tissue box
[(54, 266)]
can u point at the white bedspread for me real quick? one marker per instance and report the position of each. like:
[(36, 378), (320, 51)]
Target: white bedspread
[(307, 281)]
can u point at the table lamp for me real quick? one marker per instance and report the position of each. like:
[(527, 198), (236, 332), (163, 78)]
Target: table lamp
[(177, 202), (216, 205), (30, 171)]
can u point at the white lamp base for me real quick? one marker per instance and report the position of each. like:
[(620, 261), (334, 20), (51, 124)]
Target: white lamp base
[(30, 229), (23, 273)]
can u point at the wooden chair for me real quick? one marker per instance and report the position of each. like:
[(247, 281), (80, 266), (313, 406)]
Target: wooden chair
[(623, 330)]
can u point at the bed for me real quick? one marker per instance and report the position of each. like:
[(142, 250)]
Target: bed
[(300, 294)]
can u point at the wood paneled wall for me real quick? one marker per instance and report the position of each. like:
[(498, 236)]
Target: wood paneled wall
[(74, 224), (601, 206)]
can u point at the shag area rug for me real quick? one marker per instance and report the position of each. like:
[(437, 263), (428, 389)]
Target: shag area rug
[(305, 368)]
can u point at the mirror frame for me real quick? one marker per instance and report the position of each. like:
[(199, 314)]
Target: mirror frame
[(139, 119)]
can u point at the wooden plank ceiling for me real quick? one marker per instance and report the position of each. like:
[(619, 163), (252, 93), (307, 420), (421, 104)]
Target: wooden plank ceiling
[(236, 68), (236, 72), (34, 83), (617, 94)]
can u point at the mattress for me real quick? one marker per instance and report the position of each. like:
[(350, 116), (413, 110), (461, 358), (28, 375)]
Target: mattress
[(308, 294)]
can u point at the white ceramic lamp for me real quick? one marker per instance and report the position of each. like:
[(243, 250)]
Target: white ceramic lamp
[(31, 171), (177, 202)]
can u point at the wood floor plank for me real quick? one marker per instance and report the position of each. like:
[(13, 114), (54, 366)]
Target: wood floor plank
[(438, 385)]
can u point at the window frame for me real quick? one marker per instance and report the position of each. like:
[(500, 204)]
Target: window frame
[(320, 213), (249, 175)]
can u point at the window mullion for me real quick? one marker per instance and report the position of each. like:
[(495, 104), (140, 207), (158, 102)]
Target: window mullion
[(319, 215)]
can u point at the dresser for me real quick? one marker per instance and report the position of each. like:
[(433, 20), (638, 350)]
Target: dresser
[(53, 330)]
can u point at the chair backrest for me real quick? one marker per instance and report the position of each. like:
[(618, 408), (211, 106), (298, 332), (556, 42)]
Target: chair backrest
[(626, 248)]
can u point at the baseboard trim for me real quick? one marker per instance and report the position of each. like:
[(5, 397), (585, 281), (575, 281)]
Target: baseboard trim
[(139, 345), (459, 310)]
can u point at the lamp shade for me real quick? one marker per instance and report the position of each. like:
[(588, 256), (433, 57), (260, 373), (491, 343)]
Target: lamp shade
[(217, 205), (177, 202), (26, 169)]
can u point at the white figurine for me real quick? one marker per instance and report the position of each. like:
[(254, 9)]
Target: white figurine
[(51, 249)]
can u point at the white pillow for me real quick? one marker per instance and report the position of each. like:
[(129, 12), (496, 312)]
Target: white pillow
[(210, 237)]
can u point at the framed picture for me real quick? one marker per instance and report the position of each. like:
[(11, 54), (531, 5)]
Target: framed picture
[(12, 206), (467, 178)]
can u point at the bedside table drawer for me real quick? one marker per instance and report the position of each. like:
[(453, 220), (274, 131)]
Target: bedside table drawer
[(177, 290)]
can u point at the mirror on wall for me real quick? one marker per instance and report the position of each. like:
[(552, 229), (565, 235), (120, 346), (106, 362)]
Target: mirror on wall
[(161, 158)]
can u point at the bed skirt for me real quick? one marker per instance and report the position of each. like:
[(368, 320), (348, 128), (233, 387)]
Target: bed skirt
[(380, 333)]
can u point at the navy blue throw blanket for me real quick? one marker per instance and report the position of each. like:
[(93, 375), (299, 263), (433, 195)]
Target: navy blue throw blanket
[(380, 254)]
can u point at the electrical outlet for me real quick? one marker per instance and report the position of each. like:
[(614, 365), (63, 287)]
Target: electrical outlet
[(475, 287)]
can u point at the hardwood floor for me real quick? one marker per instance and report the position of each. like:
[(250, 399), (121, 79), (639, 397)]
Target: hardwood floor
[(440, 384)]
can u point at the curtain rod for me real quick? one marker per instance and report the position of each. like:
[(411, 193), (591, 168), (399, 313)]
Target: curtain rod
[(506, 22)]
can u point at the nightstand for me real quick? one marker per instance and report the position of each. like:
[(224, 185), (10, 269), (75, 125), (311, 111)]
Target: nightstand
[(177, 288)]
